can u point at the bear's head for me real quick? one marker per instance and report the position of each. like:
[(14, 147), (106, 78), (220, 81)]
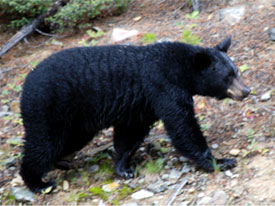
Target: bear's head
[(216, 75)]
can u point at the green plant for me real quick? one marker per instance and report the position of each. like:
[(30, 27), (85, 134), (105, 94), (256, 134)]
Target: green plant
[(74, 13), (189, 38), (149, 38), (193, 15), (216, 166), (98, 191), (154, 166)]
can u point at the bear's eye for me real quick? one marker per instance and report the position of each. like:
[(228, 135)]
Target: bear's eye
[(213, 68)]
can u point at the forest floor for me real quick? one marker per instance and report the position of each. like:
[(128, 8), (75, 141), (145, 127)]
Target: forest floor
[(244, 130)]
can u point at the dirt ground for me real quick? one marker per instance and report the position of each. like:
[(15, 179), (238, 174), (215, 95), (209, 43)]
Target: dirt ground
[(245, 127)]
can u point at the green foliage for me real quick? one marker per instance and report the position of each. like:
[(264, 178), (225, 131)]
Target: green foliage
[(98, 191), (75, 13), (149, 38), (216, 166), (154, 166), (189, 38), (243, 68), (122, 194), (193, 15)]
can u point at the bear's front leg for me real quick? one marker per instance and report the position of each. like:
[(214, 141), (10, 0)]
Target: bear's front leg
[(183, 129), (127, 139)]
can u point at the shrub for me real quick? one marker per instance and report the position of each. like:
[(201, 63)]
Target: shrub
[(73, 14)]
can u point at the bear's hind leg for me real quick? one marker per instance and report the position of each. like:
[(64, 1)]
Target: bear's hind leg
[(38, 159), (127, 140)]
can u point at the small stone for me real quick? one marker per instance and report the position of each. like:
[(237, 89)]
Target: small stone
[(164, 40), (234, 152), (201, 194), (110, 187), (219, 198), (22, 194), (266, 96), (130, 204), (175, 174), (57, 43), (185, 169), (3, 114), (142, 194), (17, 181), (165, 176), (232, 15), (140, 181), (157, 187), (5, 108), (17, 141), (94, 168), (273, 3), (66, 185), (271, 34), (215, 146), (11, 161), (183, 159), (204, 201), (191, 190), (228, 173)]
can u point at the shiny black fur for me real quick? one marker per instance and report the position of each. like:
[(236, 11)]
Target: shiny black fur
[(77, 92)]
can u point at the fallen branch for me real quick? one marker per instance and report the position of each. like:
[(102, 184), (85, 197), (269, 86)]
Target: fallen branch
[(177, 190), (28, 29)]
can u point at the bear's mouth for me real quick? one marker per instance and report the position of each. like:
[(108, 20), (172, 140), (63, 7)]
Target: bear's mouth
[(238, 90)]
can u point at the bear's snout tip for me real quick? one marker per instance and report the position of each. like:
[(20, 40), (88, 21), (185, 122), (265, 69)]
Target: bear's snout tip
[(238, 90)]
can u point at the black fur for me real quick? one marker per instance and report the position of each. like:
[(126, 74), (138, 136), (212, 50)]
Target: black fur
[(77, 92)]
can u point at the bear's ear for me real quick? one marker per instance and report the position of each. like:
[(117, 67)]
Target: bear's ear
[(224, 45), (202, 60)]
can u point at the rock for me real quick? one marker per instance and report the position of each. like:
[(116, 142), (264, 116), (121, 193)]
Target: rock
[(234, 152), (273, 3), (228, 173), (119, 35), (175, 174), (22, 194), (215, 146), (165, 177), (5, 108), (185, 169), (183, 159), (130, 204), (17, 141), (11, 161), (157, 187), (66, 185), (219, 198), (110, 187), (17, 181), (164, 40), (232, 15), (3, 114), (56, 43), (142, 194), (266, 96), (204, 201), (94, 168)]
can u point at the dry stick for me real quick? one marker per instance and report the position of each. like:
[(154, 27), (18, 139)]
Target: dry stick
[(28, 29), (177, 190)]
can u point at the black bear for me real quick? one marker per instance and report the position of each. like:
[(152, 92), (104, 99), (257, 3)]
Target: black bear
[(75, 93)]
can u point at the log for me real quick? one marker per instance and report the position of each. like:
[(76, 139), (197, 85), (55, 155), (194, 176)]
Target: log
[(31, 27)]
